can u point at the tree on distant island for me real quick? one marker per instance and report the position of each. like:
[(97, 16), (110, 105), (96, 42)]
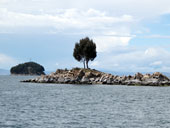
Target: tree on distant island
[(85, 51), (28, 68)]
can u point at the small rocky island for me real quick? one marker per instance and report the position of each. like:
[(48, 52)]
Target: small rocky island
[(28, 68), (85, 51), (92, 76)]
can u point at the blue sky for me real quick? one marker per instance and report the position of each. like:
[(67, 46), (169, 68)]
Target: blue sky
[(131, 36)]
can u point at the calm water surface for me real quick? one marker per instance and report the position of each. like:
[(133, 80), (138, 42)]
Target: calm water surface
[(27, 105)]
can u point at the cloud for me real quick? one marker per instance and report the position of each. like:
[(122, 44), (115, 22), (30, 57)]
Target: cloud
[(95, 23), (155, 36), (4, 1), (107, 44), (156, 63), (62, 19), (144, 8), (151, 52), (75, 15), (144, 60), (107, 30)]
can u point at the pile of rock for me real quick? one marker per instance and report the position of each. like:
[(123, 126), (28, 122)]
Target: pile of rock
[(89, 76)]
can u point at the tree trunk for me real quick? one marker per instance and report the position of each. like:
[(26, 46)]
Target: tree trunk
[(84, 64), (87, 63)]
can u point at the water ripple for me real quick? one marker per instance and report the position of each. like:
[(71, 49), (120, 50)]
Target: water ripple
[(25, 105)]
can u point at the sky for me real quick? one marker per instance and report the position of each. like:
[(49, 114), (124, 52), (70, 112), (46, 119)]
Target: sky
[(131, 35)]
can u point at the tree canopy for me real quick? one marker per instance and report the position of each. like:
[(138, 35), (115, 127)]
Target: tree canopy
[(85, 51), (28, 68)]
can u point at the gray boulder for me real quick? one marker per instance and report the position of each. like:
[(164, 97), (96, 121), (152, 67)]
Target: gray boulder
[(84, 80)]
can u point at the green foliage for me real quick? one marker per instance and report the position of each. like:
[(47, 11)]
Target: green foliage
[(85, 51), (29, 68)]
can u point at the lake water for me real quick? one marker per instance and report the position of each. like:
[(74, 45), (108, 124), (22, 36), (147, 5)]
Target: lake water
[(27, 105)]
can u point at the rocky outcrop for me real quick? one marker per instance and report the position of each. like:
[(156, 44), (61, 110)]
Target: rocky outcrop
[(89, 76)]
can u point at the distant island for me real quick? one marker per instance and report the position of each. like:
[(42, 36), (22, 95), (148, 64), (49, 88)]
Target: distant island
[(28, 68)]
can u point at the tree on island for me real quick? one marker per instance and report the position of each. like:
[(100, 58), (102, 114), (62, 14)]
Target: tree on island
[(85, 51)]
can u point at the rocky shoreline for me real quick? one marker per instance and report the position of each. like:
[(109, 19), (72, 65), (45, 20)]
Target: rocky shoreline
[(91, 76)]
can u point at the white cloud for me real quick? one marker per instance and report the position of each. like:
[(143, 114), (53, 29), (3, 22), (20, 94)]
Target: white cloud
[(107, 44), (151, 52), (156, 63), (109, 28), (157, 36), (4, 1), (62, 19), (150, 60), (75, 14), (144, 8), (93, 22)]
